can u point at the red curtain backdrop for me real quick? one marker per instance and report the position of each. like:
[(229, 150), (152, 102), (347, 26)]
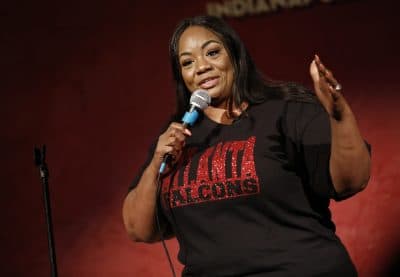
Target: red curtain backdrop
[(92, 81)]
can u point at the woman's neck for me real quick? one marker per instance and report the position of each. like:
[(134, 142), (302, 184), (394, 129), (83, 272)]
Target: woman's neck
[(222, 115)]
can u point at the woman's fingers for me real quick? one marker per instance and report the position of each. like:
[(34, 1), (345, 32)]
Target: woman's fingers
[(327, 89), (174, 152), (175, 142), (172, 141), (176, 135), (326, 76), (177, 127)]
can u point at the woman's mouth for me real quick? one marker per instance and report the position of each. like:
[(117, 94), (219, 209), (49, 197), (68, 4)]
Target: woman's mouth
[(209, 83)]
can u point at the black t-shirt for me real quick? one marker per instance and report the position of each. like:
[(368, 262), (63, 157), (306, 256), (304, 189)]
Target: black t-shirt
[(251, 198)]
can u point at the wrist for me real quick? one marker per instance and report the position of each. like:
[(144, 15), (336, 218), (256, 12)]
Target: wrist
[(153, 167), (340, 111)]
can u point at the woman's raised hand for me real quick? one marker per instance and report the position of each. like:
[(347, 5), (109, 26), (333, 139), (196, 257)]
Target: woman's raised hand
[(328, 90)]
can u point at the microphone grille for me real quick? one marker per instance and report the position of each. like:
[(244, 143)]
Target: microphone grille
[(200, 99)]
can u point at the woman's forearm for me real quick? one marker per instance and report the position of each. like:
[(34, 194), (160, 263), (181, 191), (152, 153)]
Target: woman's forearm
[(140, 204), (350, 160)]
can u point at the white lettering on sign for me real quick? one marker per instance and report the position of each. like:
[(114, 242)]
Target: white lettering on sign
[(239, 8)]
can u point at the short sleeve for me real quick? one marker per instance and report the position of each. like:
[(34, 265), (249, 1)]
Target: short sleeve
[(139, 173), (309, 130), (309, 140), (315, 150)]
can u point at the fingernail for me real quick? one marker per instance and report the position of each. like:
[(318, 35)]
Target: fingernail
[(187, 132)]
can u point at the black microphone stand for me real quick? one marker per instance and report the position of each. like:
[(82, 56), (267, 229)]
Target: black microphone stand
[(40, 155)]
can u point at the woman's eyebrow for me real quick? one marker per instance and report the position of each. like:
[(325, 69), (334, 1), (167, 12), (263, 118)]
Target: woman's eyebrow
[(202, 46)]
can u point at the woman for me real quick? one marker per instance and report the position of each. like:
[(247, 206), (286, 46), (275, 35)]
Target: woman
[(248, 191)]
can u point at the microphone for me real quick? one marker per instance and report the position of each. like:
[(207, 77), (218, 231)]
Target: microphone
[(198, 102)]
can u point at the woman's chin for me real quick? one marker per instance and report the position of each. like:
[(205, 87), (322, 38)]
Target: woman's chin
[(214, 92)]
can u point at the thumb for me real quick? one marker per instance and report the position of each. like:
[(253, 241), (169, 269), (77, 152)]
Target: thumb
[(314, 72)]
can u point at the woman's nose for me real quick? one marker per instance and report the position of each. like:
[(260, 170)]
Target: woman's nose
[(202, 66)]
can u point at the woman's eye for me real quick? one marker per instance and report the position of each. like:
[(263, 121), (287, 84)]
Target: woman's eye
[(213, 52), (186, 63)]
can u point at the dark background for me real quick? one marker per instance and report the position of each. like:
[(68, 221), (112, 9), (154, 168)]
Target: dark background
[(92, 81)]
